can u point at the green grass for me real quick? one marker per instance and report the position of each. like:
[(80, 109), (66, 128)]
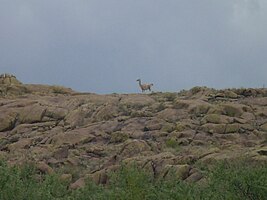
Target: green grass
[(238, 180), (172, 143)]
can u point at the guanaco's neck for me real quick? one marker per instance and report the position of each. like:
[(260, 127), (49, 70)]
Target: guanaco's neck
[(139, 82)]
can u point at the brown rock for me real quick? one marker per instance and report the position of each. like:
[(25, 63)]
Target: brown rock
[(8, 120), (248, 116), (106, 112), (32, 114), (169, 114), (75, 118), (56, 112), (23, 143), (200, 108), (232, 128), (73, 137), (182, 104), (44, 168), (153, 127), (180, 127), (9, 79), (61, 153), (66, 177), (194, 177), (80, 183), (168, 127), (177, 171), (100, 177), (230, 94), (136, 101), (213, 128), (264, 127), (118, 137), (215, 119), (232, 109), (133, 148)]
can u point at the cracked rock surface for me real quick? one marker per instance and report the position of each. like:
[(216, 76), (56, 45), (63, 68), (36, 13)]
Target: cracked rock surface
[(90, 135)]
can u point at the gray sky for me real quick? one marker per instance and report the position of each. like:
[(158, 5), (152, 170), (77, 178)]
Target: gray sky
[(103, 46)]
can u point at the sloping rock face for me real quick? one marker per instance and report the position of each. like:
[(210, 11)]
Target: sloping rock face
[(10, 86), (168, 134), (9, 79)]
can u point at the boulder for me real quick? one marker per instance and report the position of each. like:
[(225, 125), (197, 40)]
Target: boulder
[(99, 177), (230, 94), (75, 118), (136, 101), (44, 168), (176, 171), (182, 104), (9, 79), (77, 136), (232, 109), (105, 112), (232, 128), (194, 177), (199, 108), (213, 128), (102, 176), (56, 113), (118, 137), (8, 120), (23, 143), (154, 124), (66, 177), (61, 153), (264, 127), (133, 148), (32, 114), (215, 119), (80, 183), (169, 114), (168, 127)]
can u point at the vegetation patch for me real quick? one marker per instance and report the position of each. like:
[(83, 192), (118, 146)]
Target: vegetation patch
[(118, 137), (172, 143), (227, 180)]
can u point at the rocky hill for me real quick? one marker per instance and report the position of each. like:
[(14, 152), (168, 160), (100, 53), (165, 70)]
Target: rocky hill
[(89, 135)]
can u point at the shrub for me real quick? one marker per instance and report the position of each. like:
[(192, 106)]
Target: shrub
[(173, 143), (238, 180)]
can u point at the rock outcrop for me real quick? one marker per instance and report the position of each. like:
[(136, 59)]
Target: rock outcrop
[(168, 134)]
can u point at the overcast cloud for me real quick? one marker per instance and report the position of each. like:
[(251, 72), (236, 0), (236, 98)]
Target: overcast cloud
[(103, 46)]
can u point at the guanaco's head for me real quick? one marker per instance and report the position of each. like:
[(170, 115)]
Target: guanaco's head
[(138, 79)]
